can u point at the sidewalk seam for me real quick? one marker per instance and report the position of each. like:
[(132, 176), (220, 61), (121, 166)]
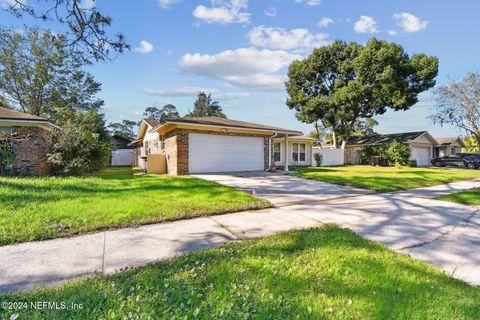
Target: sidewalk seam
[(103, 253), (226, 228)]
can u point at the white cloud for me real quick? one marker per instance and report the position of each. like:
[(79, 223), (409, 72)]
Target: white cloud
[(366, 25), (144, 47), (166, 4), (271, 12), (410, 23), (231, 95), (176, 92), (223, 11), (279, 38), (325, 22), (86, 4), (243, 67), (310, 3), (392, 32)]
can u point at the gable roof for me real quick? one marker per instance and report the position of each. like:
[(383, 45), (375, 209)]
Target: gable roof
[(152, 122), (223, 122), (379, 139), (448, 141), (9, 114)]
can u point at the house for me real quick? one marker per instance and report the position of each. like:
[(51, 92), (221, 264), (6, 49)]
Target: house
[(122, 153), (33, 140), (448, 146), (421, 145), (212, 144)]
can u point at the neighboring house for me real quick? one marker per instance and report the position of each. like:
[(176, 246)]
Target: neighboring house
[(34, 135), (211, 144), (421, 146), (122, 153), (146, 142), (448, 146)]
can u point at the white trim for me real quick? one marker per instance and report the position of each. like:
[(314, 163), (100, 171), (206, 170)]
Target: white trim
[(281, 154), (225, 126), (298, 153), (12, 122)]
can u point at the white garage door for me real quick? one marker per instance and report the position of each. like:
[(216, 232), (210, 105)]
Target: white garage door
[(122, 157), (217, 153), (422, 155)]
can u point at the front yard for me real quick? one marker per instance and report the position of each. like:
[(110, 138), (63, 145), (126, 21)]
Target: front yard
[(469, 197), (44, 208), (386, 178), (324, 273)]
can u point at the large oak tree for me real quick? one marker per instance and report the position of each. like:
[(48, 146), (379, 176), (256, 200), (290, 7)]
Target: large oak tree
[(342, 83)]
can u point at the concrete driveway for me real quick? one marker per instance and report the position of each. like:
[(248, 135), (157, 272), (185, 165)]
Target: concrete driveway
[(281, 189)]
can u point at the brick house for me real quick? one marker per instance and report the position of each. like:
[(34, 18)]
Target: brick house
[(34, 140), (211, 144)]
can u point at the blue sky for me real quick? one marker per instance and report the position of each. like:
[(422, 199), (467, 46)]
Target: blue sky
[(240, 50)]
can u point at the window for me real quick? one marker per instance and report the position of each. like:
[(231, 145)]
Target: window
[(7, 130), (298, 152), (277, 154), (162, 143)]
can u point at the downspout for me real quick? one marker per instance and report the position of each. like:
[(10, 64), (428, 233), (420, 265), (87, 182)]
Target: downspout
[(270, 150)]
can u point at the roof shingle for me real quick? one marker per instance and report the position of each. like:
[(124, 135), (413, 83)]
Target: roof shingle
[(379, 139), (231, 123), (10, 114)]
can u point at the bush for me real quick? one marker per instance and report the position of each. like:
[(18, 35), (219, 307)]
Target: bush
[(394, 153), (397, 153), (80, 148), (413, 163), (318, 157)]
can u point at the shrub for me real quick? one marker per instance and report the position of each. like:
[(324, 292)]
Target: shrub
[(394, 153), (80, 148), (398, 153), (318, 157), (7, 152), (413, 163)]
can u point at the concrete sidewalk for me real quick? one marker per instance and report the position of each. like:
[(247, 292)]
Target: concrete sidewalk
[(442, 233)]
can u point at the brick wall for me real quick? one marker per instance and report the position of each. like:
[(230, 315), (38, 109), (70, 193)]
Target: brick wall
[(176, 148), (30, 154)]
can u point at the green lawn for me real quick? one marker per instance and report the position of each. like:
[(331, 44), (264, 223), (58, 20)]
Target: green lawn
[(43, 208), (325, 273), (386, 178), (470, 197)]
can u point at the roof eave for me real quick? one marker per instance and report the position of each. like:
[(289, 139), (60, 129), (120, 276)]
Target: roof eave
[(222, 126)]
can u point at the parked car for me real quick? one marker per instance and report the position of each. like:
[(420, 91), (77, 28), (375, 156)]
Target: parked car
[(467, 160)]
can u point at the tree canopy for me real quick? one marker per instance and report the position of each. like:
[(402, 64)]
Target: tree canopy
[(39, 77), (458, 105), (125, 129), (86, 27), (168, 110), (204, 106), (344, 82)]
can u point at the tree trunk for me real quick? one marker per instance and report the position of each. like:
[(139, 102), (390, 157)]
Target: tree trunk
[(334, 138), (344, 143)]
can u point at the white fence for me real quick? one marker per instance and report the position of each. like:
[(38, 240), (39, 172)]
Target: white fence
[(331, 157)]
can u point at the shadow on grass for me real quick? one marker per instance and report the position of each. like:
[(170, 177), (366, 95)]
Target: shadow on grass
[(309, 274)]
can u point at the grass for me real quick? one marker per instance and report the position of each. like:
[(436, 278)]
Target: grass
[(325, 273), (50, 207), (386, 178), (469, 197)]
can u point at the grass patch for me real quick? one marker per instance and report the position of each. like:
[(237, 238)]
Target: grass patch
[(50, 207), (469, 197), (386, 178), (310, 274)]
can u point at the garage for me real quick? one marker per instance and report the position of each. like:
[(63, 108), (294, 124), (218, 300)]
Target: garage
[(223, 153), (421, 155)]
